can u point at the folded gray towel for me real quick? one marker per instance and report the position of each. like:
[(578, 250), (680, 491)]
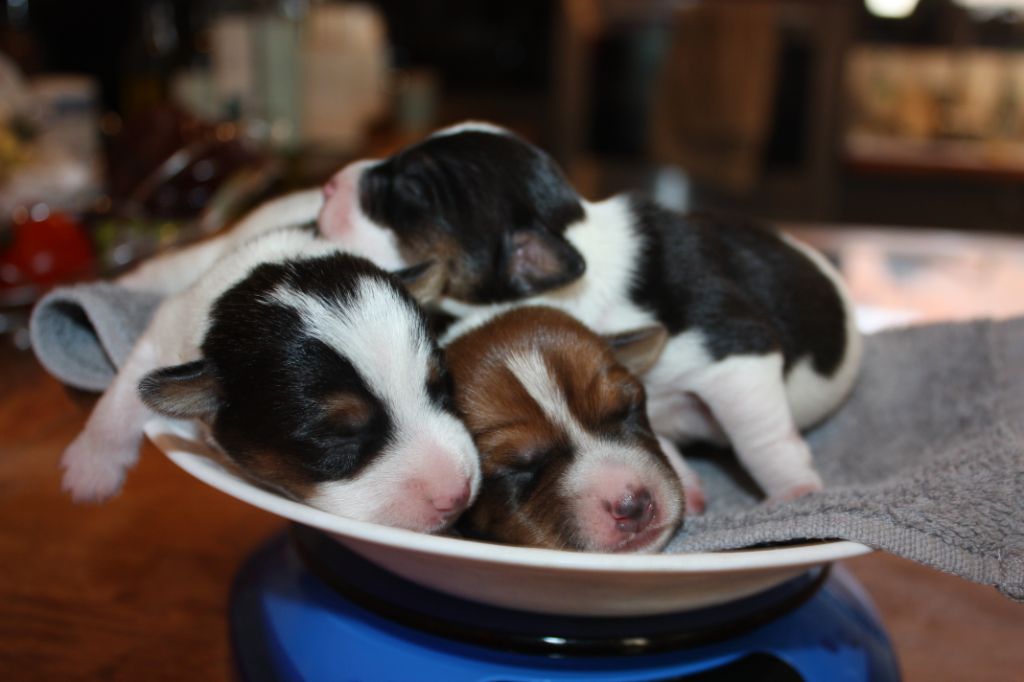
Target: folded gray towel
[(925, 460), (82, 334)]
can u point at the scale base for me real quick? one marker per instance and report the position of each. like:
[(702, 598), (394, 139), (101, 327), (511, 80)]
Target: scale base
[(294, 618)]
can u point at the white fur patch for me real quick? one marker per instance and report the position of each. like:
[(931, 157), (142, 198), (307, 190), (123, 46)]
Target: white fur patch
[(470, 126)]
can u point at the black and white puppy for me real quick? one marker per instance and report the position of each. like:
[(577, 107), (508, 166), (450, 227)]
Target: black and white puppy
[(318, 376), (763, 340)]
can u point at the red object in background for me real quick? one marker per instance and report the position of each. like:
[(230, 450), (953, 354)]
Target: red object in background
[(46, 252)]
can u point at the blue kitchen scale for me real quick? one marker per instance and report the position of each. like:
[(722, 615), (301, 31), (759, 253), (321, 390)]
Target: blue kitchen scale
[(306, 608)]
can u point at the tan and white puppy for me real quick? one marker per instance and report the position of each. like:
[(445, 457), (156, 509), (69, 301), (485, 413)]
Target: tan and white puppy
[(568, 457)]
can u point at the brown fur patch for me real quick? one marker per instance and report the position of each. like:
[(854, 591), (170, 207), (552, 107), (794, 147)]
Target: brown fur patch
[(279, 472)]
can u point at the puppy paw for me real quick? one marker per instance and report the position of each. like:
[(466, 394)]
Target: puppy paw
[(91, 472), (812, 484), (693, 493)]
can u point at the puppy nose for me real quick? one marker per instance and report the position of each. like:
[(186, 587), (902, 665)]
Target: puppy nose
[(634, 511), (452, 504)]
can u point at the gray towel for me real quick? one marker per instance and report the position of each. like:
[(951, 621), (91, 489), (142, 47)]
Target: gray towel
[(924, 461), (82, 334)]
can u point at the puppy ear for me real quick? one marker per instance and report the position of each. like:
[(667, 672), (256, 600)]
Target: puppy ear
[(425, 281), (638, 349), (188, 390), (538, 260)]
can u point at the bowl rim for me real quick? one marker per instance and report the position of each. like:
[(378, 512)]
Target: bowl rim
[(167, 435)]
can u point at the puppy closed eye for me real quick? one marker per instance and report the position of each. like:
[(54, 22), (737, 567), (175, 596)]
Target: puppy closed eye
[(349, 412), (620, 412), (530, 460), (519, 472)]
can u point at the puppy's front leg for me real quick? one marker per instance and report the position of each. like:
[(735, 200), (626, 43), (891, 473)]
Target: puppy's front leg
[(747, 396), (96, 461)]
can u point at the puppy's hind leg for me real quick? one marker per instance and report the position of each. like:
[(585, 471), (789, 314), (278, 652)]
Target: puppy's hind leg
[(747, 396), (96, 461)]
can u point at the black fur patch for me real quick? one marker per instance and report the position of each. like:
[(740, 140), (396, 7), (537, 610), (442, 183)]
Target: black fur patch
[(472, 190), (739, 284)]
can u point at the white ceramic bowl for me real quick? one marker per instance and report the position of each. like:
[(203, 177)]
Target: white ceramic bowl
[(539, 580)]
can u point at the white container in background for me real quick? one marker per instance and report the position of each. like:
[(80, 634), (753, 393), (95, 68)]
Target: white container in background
[(66, 112), (194, 91), (278, 65), (344, 74), (63, 171), (232, 50)]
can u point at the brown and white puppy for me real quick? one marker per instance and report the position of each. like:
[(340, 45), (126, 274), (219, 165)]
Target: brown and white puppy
[(568, 457)]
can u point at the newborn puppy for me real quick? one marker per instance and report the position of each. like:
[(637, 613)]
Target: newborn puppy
[(491, 207), (569, 459), (317, 375), (762, 338)]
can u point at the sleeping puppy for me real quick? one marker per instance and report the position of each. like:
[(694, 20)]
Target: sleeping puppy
[(762, 338), (317, 375), (569, 459)]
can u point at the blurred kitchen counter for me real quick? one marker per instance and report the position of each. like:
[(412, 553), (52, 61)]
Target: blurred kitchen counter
[(137, 589)]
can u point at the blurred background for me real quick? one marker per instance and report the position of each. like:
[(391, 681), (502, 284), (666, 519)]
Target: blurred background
[(127, 126)]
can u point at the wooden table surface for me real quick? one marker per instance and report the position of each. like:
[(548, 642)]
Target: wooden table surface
[(136, 589)]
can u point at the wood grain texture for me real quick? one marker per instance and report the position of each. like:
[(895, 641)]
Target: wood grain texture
[(136, 589)]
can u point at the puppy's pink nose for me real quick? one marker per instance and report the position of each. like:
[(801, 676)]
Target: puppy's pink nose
[(634, 511), (452, 504)]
